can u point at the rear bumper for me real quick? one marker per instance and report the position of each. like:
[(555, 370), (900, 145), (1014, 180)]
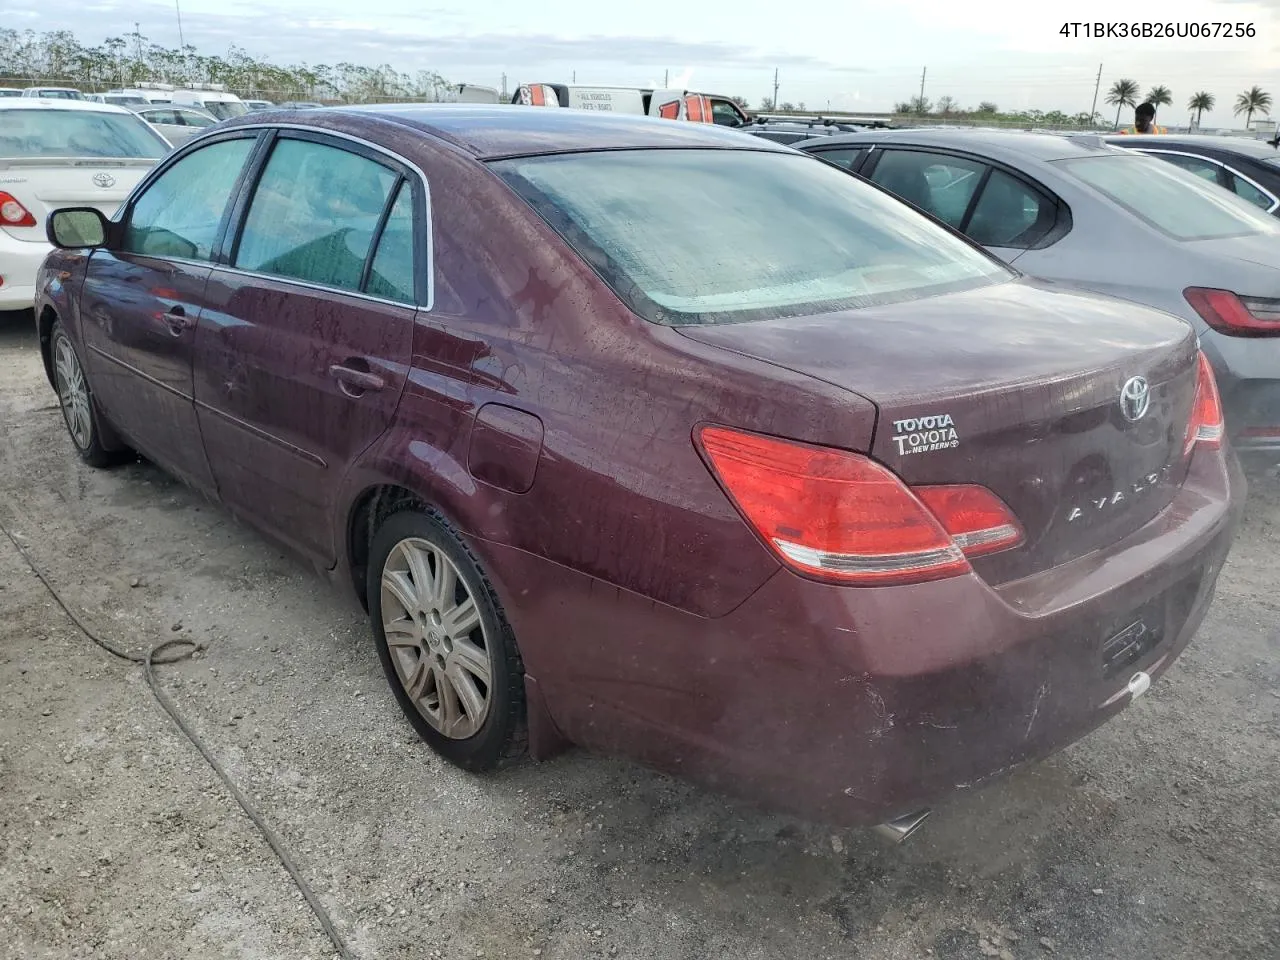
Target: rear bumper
[(19, 261), (854, 705)]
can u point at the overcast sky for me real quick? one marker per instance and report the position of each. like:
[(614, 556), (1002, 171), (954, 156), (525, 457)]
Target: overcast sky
[(848, 56)]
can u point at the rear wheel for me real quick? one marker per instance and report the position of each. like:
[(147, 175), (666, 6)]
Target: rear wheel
[(445, 646), (84, 423)]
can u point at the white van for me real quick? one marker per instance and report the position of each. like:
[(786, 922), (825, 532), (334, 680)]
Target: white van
[(471, 93), (213, 99), (670, 104)]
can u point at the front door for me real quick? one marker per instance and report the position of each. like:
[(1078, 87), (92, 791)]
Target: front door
[(306, 342), (142, 299)]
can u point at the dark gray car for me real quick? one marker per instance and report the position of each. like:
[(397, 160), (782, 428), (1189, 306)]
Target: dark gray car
[(1076, 210)]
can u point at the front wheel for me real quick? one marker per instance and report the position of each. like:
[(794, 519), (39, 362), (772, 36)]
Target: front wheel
[(79, 412), (445, 646)]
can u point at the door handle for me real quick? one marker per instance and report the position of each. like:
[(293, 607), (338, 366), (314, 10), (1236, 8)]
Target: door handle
[(176, 320), (353, 381)]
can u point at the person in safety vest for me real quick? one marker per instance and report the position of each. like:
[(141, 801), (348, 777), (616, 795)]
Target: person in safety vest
[(1144, 120)]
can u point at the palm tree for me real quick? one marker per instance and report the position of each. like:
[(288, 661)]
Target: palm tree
[(1200, 103), (1160, 96), (1123, 93), (1255, 100)]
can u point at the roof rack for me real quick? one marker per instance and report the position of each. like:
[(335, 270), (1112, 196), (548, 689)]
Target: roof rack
[(820, 120)]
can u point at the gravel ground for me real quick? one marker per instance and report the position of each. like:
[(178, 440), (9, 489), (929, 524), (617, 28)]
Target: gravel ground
[(1155, 837)]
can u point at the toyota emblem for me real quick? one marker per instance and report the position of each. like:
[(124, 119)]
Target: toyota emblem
[(104, 180), (1135, 398)]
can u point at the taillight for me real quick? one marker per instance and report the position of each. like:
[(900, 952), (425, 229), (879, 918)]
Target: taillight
[(977, 520), (839, 516), (1206, 426), (1234, 315), (14, 214)]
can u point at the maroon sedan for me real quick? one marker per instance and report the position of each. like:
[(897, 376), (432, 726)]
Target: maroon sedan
[(658, 439)]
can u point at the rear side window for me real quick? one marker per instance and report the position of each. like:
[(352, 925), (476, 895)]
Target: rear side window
[(178, 215), (938, 184), (1243, 188), (1178, 204), (1009, 213), (716, 236), (1201, 167), (314, 213), (391, 275)]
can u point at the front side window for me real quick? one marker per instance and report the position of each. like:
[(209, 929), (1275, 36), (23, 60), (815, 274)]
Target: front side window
[(719, 236), (1178, 204), (726, 113), (314, 214), (161, 116), (938, 184), (1009, 213), (178, 215), (78, 133)]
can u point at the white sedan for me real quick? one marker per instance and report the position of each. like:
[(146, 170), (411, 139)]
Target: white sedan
[(61, 153)]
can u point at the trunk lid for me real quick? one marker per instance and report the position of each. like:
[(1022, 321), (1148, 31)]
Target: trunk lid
[(43, 185), (1016, 387)]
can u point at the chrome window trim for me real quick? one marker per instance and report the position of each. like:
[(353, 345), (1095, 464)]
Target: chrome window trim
[(196, 143), (1275, 201)]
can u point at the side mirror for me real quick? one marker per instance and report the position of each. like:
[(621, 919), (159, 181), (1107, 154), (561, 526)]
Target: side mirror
[(76, 228)]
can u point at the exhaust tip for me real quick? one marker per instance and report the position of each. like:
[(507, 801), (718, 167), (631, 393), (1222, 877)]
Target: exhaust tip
[(899, 829)]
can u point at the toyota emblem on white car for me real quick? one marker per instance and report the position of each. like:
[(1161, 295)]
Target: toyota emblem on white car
[(1135, 398), (104, 180)]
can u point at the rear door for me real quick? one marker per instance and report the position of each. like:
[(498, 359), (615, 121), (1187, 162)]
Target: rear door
[(306, 345), (143, 296)]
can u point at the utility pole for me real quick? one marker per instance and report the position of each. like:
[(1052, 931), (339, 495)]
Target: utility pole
[(504, 87), (666, 79), (182, 44), (775, 88), (1097, 84), (920, 103)]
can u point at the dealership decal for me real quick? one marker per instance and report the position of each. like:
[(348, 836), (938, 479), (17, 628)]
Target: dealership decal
[(923, 434)]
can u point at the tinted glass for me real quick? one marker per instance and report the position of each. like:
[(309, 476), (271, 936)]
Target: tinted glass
[(937, 184), (314, 213), (178, 215), (1009, 213), (77, 133), (1173, 201), (714, 236), (391, 276), (1197, 165), (846, 157), (193, 119), (160, 116), (1243, 188)]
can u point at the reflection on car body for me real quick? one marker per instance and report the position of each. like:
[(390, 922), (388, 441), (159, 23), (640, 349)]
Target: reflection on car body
[(621, 429)]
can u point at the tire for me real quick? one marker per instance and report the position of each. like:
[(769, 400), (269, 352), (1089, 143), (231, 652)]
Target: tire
[(441, 649), (90, 433)]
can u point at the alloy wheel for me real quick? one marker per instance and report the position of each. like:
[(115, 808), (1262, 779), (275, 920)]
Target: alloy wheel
[(436, 638), (73, 393)]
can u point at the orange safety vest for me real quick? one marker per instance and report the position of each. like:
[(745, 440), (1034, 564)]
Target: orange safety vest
[(1135, 130)]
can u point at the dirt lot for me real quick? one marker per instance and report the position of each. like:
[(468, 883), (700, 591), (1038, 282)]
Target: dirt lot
[(1158, 836)]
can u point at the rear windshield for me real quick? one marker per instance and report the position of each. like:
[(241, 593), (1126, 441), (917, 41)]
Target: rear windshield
[(1177, 203), (720, 236), (225, 109), (77, 133)]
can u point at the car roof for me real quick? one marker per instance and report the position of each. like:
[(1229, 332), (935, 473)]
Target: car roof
[(39, 103), (1245, 146), (493, 131), (1007, 145)]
